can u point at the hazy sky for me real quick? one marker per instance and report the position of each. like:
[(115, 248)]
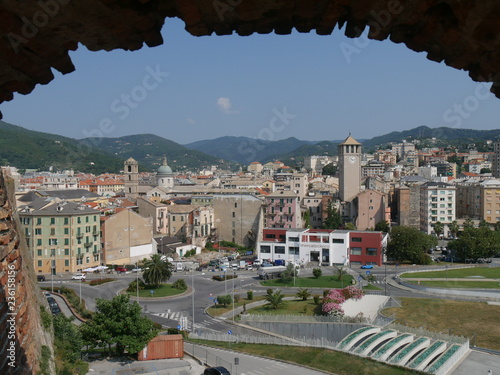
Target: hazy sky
[(263, 86)]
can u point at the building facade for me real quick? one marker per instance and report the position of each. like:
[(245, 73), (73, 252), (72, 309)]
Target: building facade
[(437, 203), (282, 210), (63, 237)]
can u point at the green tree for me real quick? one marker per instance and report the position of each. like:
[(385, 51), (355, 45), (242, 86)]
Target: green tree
[(409, 244), (180, 284), (497, 226), (303, 293), (350, 226), (224, 300), (120, 323), (484, 224), (333, 219), (157, 270), (468, 223), (454, 228), (438, 228), (329, 170), (475, 243), (288, 274), (68, 339), (317, 273), (383, 226), (307, 218), (340, 272), (275, 300), (132, 287)]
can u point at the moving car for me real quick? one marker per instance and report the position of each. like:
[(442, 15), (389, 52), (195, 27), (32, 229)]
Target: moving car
[(40, 278), (78, 276), (216, 371), (366, 267)]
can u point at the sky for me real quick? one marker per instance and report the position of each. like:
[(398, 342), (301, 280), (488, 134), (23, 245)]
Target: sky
[(262, 86)]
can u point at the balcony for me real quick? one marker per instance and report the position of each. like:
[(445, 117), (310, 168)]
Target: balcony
[(79, 235), (87, 244)]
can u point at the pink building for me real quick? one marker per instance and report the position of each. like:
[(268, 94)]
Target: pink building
[(282, 210)]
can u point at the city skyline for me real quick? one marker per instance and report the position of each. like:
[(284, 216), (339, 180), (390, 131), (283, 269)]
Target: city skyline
[(263, 86)]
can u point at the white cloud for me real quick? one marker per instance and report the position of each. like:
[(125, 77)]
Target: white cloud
[(225, 105)]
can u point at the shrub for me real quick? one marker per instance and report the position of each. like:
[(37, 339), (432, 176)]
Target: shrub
[(236, 298), (180, 284), (269, 291), (100, 281), (46, 318), (224, 300), (317, 272), (250, 295), (132, 287)]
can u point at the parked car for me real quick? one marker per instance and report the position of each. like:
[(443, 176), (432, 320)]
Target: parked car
[(216, 371), (120, 269), (78, 276), (40, 278), (366, 267), (55, 310)]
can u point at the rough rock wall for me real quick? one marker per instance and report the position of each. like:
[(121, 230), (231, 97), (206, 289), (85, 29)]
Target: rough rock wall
[(36, 35), (21, 333)]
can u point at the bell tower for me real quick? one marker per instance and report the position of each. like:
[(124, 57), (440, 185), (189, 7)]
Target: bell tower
[(131, 169), (349, 153)]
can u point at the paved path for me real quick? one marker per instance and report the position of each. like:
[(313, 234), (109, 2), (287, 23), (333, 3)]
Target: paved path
[(247, 364)]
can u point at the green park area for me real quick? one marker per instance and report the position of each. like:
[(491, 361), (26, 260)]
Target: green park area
[(461, 278), (478, 321), (327, 282), (321, 359), (163, 290)]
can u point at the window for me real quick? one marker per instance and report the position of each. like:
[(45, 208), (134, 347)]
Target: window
[(66, 251), (173, 218), (236, 205), (182, 218), (66, 221), (279, 250), (357, 239), (293, 250), (265, 249), (270, 235), (87, 259), (39, 263), (39, 242), (66, 262), (38, 221), (337, 240), (234, 214), (52, 231), (371, 251), (52, 241), (52, 220), (86, 220), (293, 239), (39, 252), (66, 241), (355, 251), (38, 231), (79, 220), (66, 230)]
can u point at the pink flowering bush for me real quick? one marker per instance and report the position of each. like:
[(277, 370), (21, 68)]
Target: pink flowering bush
[(332, 302), (352, 292)]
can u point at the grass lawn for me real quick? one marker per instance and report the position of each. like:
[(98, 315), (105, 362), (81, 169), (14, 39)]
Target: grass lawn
[(218, 310), (458, 273), (464, 284), (329, 282), (463, 318), (164, 290), (371, 287), (291, 307), (325, 360)]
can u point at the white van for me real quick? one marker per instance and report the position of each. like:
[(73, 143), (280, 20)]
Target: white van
[(257, 262)]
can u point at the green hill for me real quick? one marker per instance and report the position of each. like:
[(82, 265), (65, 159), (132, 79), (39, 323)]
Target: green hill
[(149, 150), (23, 148)]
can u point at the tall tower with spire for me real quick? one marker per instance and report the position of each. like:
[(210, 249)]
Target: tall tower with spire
[(349, 153)]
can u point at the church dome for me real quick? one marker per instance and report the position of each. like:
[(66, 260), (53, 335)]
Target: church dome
[(164, 170)]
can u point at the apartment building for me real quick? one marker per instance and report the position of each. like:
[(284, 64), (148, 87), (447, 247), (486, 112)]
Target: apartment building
[(63, 236), (437, 203), (282, 210)]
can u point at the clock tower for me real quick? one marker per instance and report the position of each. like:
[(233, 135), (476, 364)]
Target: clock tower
[(349, 169)]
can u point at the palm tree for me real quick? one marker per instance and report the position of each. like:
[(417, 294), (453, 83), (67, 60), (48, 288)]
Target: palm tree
[(454, 228), (438, 228), (275, 300), (157, 270), (303, 293)]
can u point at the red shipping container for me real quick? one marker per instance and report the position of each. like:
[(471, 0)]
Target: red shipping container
[(163, 347)]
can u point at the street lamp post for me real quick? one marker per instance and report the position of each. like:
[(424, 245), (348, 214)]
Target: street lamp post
[(192, 293), (137, 280), (234, 275)]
